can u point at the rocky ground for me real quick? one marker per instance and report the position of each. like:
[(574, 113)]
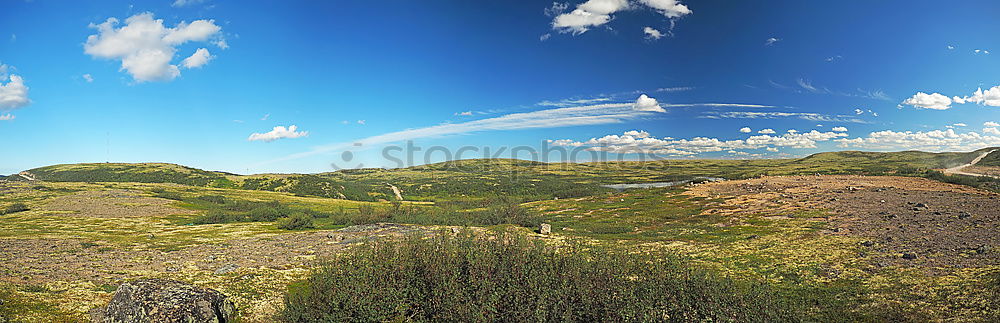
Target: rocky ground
[(73, 248), (71, 251), (905, 221)]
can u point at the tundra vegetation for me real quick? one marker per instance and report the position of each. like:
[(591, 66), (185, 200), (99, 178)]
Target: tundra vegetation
[(760, 247)]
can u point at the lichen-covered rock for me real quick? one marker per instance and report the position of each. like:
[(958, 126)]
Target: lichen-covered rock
[(545, 228), (161, 300)]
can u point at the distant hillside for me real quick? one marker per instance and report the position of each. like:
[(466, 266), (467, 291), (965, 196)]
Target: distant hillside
[(300, 184), (993, 159), (878, 162), (123, 172), (527, 180)]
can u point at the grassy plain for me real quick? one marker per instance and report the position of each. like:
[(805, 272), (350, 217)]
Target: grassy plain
[(79, 230)]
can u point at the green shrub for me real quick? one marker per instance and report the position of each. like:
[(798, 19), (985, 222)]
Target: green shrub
[(502, 210), (212, 217), (164, 194), (265, 213), (297, 221), (215, 199), (507, 278), (14, 208)]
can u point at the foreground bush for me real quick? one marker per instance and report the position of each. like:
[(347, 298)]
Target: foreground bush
[(507, 278), (297, 221), (14, 208)]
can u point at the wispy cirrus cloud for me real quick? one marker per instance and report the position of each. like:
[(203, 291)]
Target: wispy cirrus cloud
[(807, 86), (572, 102), (779, 115), (719, 105), (675, 89), (607, 113)]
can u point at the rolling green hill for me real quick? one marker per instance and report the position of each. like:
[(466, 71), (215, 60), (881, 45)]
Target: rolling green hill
[(519, 179)]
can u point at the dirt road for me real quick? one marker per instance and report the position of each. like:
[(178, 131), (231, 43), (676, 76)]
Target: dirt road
[(957, 170)]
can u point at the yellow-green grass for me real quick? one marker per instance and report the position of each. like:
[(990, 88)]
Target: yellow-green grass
[(793, 251), (164, 232)]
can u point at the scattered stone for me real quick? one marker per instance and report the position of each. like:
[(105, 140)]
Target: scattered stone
[(455, 230), (545, 228), (227, 268), (964, 215), (909, 256), (161, 300), (391, 227), (868, 243)]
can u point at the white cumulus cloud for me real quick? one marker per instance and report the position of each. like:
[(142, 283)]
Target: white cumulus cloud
[(645, 103), (279, 132), (146, 47), (13, 94), (594, 13), (631, 143), (7, 117), (935, 101), (669, 8), (990, 97), (587, 15), (746, 130), (933, 140), (767, 131), (652, 32), (198, 59), (839, 129), (991, 124), (88, 78)]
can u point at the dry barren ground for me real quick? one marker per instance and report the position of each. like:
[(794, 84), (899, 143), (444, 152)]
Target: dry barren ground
[(906, 221), (70, 251)]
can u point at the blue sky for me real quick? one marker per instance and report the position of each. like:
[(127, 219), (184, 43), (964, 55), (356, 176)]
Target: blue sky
[(206, 76)]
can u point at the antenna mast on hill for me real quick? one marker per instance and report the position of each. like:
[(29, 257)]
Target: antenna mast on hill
[(108, 149)]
